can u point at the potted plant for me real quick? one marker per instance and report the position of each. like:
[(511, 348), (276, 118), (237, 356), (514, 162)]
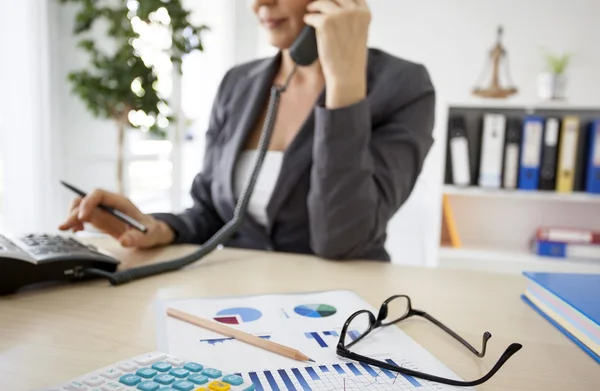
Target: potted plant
[(552, 84), (122, 84)]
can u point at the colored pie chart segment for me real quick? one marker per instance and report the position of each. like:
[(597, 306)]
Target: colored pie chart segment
[(315, 310), (238, 315)]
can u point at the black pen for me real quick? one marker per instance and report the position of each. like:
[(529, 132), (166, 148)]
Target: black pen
[(117, 213)]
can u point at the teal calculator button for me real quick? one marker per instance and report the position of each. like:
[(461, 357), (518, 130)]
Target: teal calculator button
[(198, 379), (183, 385), (147, 373), (179, 372), (164, 379), (234, 380), (166, 389), (250, 388), (193, 367), (212, 373), (148, 386), (130, 380), (162, 366)]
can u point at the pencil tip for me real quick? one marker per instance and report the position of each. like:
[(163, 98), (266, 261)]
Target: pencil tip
[(311, 360)]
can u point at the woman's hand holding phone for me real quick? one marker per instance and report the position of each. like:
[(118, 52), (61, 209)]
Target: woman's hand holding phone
[(85, 210), (342, 32)]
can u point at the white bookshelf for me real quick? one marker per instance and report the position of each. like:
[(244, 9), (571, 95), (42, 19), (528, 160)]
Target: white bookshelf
[(517, 194), (495, 226), (527, 106)]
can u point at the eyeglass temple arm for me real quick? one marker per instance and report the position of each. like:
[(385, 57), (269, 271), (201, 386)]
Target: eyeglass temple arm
[(512, 349), (486, 335)]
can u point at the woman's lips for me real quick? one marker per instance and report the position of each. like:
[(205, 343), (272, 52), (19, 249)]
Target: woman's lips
[(272, 23)]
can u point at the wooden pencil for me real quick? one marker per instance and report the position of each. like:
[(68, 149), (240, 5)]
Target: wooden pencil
[(239, 335)]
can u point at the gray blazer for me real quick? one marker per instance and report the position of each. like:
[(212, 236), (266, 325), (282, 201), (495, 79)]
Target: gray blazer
[(343, 177)]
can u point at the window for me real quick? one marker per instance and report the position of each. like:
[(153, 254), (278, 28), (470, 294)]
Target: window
[(160, 172)]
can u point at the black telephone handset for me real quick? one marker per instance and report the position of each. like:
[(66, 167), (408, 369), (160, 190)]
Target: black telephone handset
[(78, 263), (304, 49)]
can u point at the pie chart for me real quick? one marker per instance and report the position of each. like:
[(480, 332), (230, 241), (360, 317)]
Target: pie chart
[(238, 315), (315, 310)]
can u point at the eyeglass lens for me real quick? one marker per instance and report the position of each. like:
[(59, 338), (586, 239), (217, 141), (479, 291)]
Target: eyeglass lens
[(395, 309)]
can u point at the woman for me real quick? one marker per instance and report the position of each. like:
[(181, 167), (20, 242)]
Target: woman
[(351, 133)]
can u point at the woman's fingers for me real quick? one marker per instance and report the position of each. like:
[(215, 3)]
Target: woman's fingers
[(323, 6), (133, 238), (91, 202), (72, 220), (348, 3)]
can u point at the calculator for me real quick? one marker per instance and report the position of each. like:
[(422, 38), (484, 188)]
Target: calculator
[(156, 371)]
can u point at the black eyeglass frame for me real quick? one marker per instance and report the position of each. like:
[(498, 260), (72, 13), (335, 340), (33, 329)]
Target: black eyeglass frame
[(374, 323)]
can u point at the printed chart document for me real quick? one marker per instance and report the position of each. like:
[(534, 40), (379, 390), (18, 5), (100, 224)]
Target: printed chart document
[(308, 322)]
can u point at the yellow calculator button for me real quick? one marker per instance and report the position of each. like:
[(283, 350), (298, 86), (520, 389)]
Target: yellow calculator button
[(219, 386)]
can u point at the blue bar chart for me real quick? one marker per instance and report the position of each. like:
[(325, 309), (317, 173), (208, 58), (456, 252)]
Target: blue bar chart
[(329, 338), (350, 376)]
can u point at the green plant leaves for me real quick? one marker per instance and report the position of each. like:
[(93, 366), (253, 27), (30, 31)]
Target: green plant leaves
[(105, 86), (557, 64)]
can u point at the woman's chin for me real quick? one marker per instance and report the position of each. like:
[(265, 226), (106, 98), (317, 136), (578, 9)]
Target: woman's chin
[(281, 42)]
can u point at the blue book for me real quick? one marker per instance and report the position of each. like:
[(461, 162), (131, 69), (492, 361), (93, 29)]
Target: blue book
[(531, 152), (582, 251), (571, 303), (593, 164)]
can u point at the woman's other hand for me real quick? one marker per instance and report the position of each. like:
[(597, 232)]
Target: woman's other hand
[(342, 33), (85, 210)]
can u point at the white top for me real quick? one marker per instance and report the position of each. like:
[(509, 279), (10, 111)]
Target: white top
[(265, 183)]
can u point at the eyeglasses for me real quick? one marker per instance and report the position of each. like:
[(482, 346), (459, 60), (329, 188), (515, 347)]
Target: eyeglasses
[(394, 310)]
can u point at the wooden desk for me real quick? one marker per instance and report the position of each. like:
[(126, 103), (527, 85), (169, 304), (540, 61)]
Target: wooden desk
[(50, 335)]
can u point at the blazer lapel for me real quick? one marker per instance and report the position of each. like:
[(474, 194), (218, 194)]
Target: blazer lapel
[(249, 102)]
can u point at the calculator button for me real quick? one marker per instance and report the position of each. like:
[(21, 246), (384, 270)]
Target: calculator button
[(93, 380), (146, 373), (164, 379), (162, 366), (212, 373), (148, 386), (193, 367), (175, 361), (219, 386), (183, 385), (127, 366), (112, 386), (179, 372), (130, 380), (198, 379), (111, 373), (166, 389), (76, 386), (150, 358), (234, 380)]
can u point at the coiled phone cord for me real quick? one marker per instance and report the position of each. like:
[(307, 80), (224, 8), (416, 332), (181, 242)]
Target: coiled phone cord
[(228, 229)]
